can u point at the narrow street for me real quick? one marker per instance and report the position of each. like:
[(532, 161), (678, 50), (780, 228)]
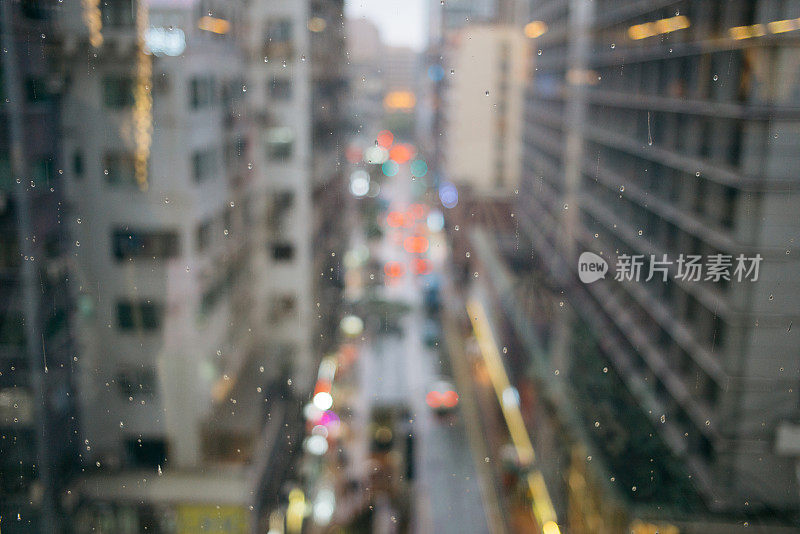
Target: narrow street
[(396, 369)]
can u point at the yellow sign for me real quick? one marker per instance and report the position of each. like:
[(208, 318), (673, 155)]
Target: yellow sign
[(212, 519)]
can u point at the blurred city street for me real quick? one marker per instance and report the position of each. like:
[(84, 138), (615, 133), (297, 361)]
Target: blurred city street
[(399, 266)]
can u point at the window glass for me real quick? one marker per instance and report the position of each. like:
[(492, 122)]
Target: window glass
[(394, 266)]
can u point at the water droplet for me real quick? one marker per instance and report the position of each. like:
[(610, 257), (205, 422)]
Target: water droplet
[(605, 369), (539, 52), (697, 174), (613, 45), (486, 93), (77, 243), (771, 297), (250, 165), (79, 221), (715, 78), (566, 206), (621, 188), (231, 204), (663, 418)]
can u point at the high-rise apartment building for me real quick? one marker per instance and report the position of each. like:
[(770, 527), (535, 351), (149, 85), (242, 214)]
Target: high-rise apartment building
[(281, 78), (188, 147), (653, 129), (483, 114), (332, 125), (367, 80), (38, 426)]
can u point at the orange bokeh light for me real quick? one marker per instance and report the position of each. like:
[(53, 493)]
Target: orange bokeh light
[(421, 266), (322, 386), (418, 210), (449, 399), (385, 138), (401, 153), (416, 244), (395, 219), (394, 269)]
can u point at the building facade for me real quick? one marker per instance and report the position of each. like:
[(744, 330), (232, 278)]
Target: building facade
[(188, 138), (38, 402), (655, 130), (484, 108)]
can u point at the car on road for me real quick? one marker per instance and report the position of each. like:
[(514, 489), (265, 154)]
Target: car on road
[(442, 397)]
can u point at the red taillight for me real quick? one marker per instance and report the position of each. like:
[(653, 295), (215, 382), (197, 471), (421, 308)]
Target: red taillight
[(416, 244), (434, 399), (394, 269), (449, 399), (421, 266), (395, 219)]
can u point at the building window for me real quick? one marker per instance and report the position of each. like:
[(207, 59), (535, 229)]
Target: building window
[(37, 91), (118, 92), (278, 39), (205, 235), (280, 89), (280, 143), (282, 251), (12, 328), (280, 205), (201, 92), (77, 164), (153, 244), (204, 165), (138, 315), (119, 168), (117, 13), (149, 453), (284, 307), (137, 382)]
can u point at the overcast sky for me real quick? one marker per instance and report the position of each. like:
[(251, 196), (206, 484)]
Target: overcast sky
[(401, 22)]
